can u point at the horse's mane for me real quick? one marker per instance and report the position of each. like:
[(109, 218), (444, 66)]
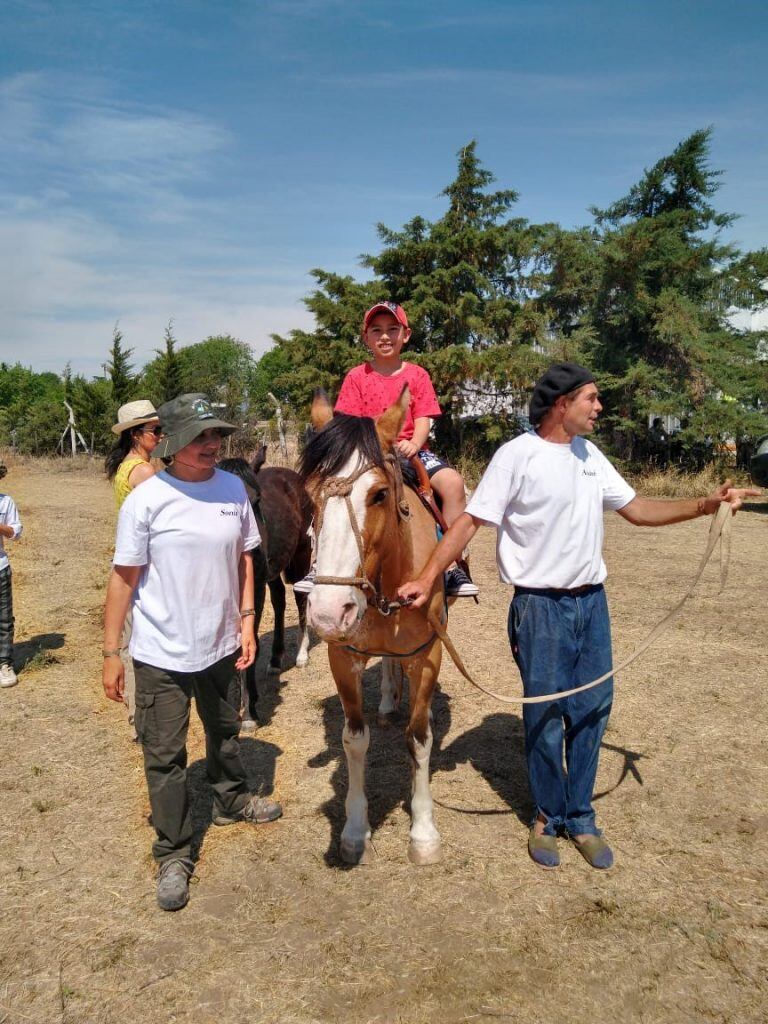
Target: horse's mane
[(240, 468), (337, 442)]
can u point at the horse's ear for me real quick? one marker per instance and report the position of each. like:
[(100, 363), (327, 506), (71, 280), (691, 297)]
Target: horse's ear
[(322, 410), (390, 423), (259, 459)]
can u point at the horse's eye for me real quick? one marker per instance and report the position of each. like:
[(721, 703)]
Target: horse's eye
[(380, 496)]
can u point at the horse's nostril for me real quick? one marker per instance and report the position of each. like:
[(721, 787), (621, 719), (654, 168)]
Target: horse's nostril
[(349, 613)]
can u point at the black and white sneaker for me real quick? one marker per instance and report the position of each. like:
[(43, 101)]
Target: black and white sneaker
[(458, 584), (306, 585)]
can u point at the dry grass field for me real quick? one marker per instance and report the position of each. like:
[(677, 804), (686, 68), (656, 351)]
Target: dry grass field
[(277, 931)]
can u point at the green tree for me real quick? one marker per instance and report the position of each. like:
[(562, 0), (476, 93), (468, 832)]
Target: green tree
[(119, 369), (163, 378), (465, 280), (641, 297), (221, 367)]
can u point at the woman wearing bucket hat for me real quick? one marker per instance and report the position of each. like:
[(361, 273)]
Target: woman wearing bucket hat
[(180, 562), (128, 463)]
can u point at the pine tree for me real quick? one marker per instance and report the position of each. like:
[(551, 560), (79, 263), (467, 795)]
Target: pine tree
[(464, 280), (119, 369), (642, 295), (168, 369)]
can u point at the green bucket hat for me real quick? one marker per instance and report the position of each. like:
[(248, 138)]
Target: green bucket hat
[(183, 419)]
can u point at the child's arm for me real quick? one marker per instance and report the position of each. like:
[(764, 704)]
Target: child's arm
[(11, 527), (421, 426)]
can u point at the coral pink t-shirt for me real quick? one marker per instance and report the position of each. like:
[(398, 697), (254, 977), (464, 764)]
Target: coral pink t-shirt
[(365, 392)]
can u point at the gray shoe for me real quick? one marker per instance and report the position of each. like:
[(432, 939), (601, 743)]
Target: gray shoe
[(7, 675), (257, 811), (173, 884)]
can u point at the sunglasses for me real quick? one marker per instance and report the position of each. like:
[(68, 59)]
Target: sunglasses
[(157, 431)]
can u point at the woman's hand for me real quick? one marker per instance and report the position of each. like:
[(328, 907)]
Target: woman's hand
[(113, 678), (248, 643)]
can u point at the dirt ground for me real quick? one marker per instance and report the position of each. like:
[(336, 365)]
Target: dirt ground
[(277, 931)]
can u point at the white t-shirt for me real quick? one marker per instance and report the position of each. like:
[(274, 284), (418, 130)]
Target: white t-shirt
[(546, 501), (189, 538), (9, 516)]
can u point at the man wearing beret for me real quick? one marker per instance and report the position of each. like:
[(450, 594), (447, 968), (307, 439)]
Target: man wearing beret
[(545, 493)]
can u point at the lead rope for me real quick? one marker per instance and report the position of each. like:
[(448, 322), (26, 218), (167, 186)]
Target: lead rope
[(719, 529)]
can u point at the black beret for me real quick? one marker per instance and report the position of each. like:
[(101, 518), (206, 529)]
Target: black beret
[(560, 379)]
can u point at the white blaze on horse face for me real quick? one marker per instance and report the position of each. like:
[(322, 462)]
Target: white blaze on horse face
[(336, 610)]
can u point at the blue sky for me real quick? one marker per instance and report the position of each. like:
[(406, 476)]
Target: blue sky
[(195, 160)]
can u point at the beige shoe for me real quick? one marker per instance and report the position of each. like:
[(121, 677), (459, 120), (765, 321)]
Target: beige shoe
[(7, 676)]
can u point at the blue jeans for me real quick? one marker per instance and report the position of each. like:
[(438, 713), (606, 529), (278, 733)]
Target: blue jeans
[(560, 642)]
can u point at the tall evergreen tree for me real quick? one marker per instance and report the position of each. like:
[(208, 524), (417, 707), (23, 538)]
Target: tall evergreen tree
[(643, 294), (168, 369), (119, 369), (465, 281)]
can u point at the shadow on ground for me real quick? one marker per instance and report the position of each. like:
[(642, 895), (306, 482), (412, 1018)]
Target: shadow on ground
[(35, 648), (260, 761)]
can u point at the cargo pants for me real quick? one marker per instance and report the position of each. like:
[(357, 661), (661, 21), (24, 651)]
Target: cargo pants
[(163, 701)]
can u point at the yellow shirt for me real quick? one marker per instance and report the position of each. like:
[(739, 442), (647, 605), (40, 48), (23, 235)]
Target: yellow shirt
[(120, 482)]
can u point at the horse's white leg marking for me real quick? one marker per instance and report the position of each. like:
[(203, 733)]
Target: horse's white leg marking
[(391, 689), (356, 836), (303, 654), (425, 839)]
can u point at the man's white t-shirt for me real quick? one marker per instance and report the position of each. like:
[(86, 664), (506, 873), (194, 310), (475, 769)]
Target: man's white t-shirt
[(189, 538), (546, 501)]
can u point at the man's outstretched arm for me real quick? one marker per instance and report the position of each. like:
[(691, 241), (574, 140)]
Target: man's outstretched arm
[(658, 512)]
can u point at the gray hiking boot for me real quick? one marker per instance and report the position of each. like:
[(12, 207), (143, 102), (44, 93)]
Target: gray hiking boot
[(173, 884), (257, 811)]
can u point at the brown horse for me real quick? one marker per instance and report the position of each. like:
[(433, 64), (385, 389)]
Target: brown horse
[(371, 535), (284, 512)]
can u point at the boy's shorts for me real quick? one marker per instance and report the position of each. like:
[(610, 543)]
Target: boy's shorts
[(431, 462)]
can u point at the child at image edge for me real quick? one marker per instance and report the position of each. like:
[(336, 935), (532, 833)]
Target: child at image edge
[(370, 388), (10, 528)]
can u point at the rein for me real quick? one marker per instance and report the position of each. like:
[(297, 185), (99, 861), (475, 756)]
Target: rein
[(341, 487), (720, 529)]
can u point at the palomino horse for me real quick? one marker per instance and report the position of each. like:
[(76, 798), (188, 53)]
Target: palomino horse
[(284, 512), (371, 534)]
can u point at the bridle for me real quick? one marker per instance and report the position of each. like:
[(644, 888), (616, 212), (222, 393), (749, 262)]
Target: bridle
[(341, 487)]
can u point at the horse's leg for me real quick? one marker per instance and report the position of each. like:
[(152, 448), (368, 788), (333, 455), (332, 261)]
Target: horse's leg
[(425, 839), (248, 677), (356, 835), (277, 596), (302, 655), (391, 690)]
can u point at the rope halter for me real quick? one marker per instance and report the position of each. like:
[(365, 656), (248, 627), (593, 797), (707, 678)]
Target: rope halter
[(341, 487)]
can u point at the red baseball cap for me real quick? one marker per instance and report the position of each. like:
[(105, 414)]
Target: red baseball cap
[(386, 307)]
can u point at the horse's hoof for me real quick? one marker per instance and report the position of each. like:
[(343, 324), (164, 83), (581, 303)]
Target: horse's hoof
[(424, 853), (302, 660), (249, 725), (274, 670), (356, 851)]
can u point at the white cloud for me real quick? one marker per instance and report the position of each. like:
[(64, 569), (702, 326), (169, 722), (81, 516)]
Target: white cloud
[(102, 220)]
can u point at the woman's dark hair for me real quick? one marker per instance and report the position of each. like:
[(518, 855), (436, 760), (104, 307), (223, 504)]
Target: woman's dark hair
[(118, 452)]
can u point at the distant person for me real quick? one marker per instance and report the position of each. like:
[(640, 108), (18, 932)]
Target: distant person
[(545, 494), (10, 529), (181, 562), (127, 465), (371, 387), (129, 461)]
